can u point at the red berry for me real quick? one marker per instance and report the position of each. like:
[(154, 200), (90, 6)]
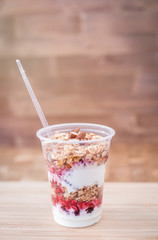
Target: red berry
[(91, 205), (89, 210), (67, 205), (73, 202), (82, 205), (76, 210)]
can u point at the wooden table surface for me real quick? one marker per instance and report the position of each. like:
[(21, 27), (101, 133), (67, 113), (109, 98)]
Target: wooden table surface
[(130, 212)]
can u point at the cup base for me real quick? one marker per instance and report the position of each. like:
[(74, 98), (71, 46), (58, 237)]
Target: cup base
[(77, 223), (82, 220)]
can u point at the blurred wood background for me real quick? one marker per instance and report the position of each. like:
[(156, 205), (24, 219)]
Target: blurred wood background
[(88, 61)]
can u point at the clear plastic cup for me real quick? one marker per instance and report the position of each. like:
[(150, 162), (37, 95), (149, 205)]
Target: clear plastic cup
[(76, 170)]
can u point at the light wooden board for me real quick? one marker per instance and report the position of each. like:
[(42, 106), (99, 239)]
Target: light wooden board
[(130, 212)]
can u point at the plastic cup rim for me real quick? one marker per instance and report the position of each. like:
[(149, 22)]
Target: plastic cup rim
[(103, 128)]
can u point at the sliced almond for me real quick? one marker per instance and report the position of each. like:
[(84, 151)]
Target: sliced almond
[(76, 130), (72, 135), (81, 135)]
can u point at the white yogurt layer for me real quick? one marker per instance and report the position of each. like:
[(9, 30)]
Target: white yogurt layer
[(80, 176)]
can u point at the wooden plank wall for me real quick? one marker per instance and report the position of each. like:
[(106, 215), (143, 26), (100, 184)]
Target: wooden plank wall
[(88, 61)]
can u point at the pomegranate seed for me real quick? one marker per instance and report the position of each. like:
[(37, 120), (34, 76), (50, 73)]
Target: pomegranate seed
[(76, 210), (89, 210), (73, 202)]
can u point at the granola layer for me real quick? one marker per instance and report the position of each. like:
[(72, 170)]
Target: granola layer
[(65, 156)]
